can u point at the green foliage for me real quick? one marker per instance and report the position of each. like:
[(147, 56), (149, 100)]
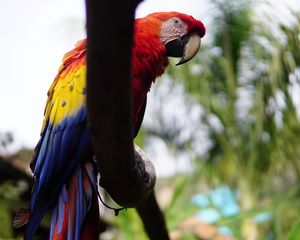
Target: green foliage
[(9, 202), (180, 206), (245, 88), (130, 226), (233, 26), (294, 234), (5, 221)]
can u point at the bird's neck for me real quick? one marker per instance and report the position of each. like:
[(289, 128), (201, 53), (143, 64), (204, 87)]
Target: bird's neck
[(149, 60)]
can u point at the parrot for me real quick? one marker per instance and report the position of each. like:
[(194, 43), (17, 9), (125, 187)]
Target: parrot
[(64, 171)]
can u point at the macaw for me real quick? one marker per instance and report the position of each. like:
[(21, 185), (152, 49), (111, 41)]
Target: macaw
[(63, 167)]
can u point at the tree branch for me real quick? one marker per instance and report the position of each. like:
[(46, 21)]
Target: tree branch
[(153, 219), (125, 173), (110, 38)]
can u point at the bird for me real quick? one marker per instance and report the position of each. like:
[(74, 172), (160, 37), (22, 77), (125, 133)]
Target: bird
[(64, 172)]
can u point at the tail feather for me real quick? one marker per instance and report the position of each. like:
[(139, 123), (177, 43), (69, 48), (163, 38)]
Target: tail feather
[(21, 218), (60, 219), (90, 228), (76, 215)]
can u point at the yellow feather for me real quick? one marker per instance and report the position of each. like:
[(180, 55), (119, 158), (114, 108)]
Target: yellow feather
[(66, 95)]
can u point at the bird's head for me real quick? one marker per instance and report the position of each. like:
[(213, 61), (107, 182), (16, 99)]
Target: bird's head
[(180, 34)]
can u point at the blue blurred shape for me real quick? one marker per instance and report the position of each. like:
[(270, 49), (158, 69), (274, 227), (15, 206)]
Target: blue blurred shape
[(222, 201), (225, 200), (263, 217), (200, 200), (229, 210), (209, 215), (222, 196), (225, 231), (216, 197)]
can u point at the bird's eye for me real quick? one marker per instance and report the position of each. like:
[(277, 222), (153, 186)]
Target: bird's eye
[(176, 21)]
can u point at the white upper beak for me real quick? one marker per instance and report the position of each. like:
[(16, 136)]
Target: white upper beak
[(191, 48)]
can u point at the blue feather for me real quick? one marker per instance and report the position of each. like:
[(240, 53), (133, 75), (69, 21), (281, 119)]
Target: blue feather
[(59, 155), (53, 221)]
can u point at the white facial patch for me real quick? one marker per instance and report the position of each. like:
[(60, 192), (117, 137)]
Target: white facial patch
[(171, 29)]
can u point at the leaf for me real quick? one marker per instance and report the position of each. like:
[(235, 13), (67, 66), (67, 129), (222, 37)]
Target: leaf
[(294, 234)]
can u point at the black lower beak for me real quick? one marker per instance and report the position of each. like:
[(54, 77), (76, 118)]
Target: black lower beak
[(184, 47), (175, 48)]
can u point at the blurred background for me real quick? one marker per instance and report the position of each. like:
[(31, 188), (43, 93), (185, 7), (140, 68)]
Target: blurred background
[(223, 131)]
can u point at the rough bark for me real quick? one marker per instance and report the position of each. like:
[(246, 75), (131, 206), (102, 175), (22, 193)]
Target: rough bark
[(153, 219), (125, 173), (110, 37), (109, 31)]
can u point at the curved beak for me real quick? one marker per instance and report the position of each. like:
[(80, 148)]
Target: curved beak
[(191, 48), (185, 47)]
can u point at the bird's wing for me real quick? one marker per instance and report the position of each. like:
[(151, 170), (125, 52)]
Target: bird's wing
[(64, 136)]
